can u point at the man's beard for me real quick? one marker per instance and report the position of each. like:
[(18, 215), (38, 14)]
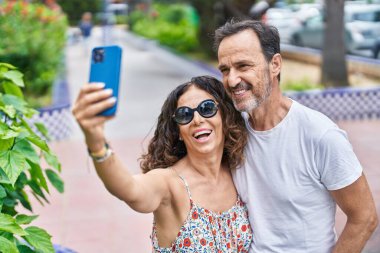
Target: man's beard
[(254, 101)]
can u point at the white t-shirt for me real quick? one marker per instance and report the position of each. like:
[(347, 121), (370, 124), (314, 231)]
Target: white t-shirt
[(286, 179)]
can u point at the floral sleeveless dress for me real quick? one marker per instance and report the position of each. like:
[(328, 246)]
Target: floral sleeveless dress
[(205, 231)]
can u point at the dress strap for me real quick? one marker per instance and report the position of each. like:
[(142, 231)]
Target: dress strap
[(185, 182)]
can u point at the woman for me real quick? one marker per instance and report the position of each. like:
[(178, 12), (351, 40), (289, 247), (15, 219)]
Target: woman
[(187, 182)]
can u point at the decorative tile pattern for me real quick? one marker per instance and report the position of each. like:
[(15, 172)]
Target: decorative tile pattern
[(56, 118), (58, 121), (60, 249), (343, 103)]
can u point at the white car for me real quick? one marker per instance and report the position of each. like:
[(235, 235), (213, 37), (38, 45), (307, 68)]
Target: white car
[(362, 28)]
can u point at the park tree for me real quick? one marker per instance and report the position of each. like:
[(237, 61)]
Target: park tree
[(214, 13), (334, 66)]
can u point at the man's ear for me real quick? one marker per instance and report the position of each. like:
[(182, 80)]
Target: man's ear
[(275, 65)]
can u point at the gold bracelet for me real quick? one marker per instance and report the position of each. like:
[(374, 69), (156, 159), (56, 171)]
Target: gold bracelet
[(102, 155)]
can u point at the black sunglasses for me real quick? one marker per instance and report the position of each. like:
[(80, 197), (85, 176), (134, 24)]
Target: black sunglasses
[(184, 115)]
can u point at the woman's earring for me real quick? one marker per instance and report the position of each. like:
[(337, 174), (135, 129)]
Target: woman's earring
[(180, 138)]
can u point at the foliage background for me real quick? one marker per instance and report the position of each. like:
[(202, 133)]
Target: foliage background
[(174, 25), (22, 173), (33, 38)]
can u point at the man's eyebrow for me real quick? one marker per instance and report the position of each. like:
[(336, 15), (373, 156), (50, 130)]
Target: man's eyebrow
[(222, 66)]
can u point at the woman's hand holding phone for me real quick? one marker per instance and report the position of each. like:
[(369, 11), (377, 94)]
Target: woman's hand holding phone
[(91, 101), (97, 100)]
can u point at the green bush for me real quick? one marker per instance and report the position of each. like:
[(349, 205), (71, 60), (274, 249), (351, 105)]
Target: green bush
[(21, 173), (33, 38), (175, 25), (300, 85)]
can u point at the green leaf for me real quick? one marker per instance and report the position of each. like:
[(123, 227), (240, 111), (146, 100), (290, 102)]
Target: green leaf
[(24, 199), (55, 180), (33, 138), (10, 134), (25, 124), (7, 235), (18, 103), (21, 181), (14, 76), (7, 65), (9, 110), (25, 249), (6, 144), (43, 130), (3, 193), (7, 246), (11, 88), (37, 189), (13, 162), (52, 160), (9, 202), (39, 239), (27, 149), (38, 176), (25, 219), (8, 224), (3, 177)]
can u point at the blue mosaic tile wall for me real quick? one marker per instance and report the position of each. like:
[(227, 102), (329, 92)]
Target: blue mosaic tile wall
[(56, 118), (343, 103)]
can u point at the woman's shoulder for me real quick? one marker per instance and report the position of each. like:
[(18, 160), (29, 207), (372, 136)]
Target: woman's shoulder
[(169, 174)]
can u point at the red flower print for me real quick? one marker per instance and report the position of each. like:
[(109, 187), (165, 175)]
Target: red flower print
[(211, 244), (228, 222), (203, 242), (244, 228), (210, 219), (228, 245), (194, 215), (186, 242)]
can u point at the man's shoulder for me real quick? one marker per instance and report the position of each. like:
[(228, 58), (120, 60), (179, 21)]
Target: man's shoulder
[(313, 123), (310, 116)]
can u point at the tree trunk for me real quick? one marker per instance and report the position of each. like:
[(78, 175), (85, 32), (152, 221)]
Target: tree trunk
[(213, 14), (334, 66)]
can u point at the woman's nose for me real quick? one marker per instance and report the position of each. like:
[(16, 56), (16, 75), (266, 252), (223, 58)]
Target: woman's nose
[(198, 119)]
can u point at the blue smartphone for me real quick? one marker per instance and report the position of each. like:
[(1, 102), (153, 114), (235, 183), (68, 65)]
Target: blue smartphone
[(105, 68)]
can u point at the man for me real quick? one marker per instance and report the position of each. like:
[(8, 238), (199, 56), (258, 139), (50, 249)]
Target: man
[(299, 164)]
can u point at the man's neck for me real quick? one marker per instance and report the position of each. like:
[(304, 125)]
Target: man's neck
[(271, 112)]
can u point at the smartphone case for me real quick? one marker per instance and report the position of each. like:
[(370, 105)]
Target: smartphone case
[(105, 68)]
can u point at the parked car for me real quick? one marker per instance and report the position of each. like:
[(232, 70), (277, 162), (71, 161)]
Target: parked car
[(362, 28), (288, 18), (284, 20)]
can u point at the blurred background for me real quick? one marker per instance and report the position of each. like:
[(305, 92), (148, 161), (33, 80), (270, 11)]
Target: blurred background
[(331, 52)]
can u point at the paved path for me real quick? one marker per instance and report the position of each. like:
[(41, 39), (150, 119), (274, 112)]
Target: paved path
[(86, 217)]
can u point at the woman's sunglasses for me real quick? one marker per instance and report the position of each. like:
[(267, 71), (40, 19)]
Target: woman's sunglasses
[(184, 115)]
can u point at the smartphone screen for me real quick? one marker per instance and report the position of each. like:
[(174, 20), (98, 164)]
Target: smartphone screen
[(105, 68)]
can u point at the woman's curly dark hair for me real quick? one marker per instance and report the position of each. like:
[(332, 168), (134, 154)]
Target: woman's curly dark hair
[(165, 149)]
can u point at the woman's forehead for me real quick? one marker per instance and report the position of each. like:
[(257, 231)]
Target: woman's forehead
[(193, 96)]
